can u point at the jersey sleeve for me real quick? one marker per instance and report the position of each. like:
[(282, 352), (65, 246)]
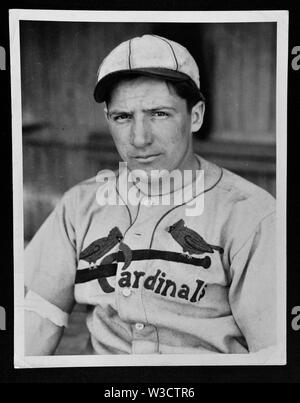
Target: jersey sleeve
[(252, 292), (50, 258)]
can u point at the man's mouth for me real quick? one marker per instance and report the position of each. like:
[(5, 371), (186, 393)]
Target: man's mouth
[(146, 158)]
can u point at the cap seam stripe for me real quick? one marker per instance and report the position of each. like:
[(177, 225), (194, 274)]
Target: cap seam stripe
[(129, 54), (173, 52)]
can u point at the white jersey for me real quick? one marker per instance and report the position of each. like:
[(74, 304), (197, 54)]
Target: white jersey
[(160, 280)]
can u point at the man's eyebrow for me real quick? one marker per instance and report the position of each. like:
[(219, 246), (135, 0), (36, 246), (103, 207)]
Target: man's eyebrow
[(117, 111), (157, 108)]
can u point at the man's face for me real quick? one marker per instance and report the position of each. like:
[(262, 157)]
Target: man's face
[(151, 126)]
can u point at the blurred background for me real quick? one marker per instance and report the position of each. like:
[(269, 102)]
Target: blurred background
[(65, 137)]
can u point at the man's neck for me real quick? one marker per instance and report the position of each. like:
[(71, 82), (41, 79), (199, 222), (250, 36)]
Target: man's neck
[(169, 182)]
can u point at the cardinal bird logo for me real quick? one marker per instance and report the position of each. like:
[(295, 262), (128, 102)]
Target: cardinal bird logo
[(101, 246), (190, 241)]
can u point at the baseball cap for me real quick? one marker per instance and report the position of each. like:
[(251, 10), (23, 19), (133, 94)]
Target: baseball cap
[(148, 55)]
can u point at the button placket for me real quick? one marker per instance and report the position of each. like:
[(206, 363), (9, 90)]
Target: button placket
[(129, 295), (126, 292)]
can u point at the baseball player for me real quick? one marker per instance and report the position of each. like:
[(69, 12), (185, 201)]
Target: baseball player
[(158, 279)]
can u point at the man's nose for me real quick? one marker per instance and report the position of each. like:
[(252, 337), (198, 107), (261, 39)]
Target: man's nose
[(140, 133)]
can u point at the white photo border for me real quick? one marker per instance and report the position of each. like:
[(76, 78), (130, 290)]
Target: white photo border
[(276, 356)]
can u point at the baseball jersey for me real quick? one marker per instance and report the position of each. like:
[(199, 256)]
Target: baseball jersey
[(158, 279)]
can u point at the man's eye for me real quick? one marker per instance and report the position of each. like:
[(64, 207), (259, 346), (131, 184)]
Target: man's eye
[(121, 118), (160, 114)]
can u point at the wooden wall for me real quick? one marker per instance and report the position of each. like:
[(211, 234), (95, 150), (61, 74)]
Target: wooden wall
[(242, 81)]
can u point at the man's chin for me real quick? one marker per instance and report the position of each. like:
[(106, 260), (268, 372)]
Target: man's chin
[(142, 172), (147, 168), (155, 173)]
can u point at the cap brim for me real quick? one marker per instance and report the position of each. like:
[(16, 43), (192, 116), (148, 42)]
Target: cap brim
[(106, 82)]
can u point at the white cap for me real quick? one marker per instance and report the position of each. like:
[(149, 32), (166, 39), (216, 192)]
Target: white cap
[(149, 55)]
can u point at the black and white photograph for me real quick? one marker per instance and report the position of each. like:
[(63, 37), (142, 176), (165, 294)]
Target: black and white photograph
[(149, 174)]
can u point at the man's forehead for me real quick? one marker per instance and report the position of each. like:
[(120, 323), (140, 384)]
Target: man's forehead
[(143, 89)]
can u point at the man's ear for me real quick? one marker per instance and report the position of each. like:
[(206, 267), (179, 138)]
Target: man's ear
[(197, 115), (105, 110)]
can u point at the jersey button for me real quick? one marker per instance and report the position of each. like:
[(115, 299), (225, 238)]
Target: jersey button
[(139, 326), (126, 292)]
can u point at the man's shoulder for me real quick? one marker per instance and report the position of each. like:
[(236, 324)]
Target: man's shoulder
[(239, 192), (85, 187), (243, 189), (86, 190)]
